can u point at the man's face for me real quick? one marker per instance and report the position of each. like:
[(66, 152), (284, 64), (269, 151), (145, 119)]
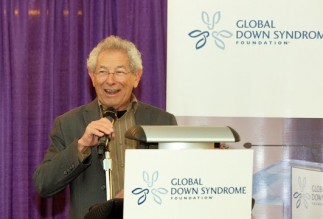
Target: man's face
[(114, 90)]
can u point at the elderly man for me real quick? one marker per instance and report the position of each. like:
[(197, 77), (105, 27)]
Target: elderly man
[(115, 69)]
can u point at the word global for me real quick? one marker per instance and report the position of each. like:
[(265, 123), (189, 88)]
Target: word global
[(186, 181), (255, 24)]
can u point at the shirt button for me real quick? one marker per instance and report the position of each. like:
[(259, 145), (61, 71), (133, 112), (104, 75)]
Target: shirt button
[(65, 172), (103, 187)]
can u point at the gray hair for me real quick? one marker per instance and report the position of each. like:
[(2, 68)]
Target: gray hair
[(114, 42)]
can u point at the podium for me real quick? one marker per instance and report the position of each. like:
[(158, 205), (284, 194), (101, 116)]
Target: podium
[(289, 189), (183, 137), (186, 177)]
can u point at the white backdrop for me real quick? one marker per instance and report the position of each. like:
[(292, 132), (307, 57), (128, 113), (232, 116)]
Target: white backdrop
[(260, 58), (256, 66)]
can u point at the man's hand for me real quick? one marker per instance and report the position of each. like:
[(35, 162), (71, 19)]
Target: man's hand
[(93, 132)]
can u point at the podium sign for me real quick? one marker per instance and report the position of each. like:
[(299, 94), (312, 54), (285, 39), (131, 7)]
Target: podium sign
[(307, 193), (188, 184)]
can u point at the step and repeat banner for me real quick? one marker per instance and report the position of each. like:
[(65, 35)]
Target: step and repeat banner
[(256, 66)]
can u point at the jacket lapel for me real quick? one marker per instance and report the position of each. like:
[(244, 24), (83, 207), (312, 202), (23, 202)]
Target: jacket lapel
[(142, 115), (91, 112)]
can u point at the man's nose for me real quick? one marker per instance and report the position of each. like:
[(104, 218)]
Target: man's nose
[(110, 78)]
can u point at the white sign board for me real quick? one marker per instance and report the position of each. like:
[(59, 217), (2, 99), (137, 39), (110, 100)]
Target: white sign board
[(307, 193), (188, 184), (246, 58)]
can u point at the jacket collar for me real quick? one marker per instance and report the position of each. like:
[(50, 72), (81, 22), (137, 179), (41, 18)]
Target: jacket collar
[(91, 111)]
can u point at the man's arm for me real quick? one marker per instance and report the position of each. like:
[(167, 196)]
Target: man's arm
[(60, 165)]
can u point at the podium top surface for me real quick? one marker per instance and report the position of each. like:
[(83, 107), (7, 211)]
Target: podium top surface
[(182, 134)]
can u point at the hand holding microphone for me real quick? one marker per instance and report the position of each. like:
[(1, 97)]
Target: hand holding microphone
[(97, 132)]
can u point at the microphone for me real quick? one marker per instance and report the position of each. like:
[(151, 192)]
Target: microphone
[(111, 115), (249, 145)]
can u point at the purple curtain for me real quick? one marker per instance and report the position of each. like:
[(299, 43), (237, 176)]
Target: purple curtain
[(44, 45)]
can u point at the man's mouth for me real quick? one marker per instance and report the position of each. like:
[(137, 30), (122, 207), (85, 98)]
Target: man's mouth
[(111, 91)]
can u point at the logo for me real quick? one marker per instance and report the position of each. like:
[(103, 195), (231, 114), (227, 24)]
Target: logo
[(301, 196), (156, 192), (249, 32), (217, 35)]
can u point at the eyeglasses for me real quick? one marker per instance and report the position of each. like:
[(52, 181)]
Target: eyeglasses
[(116, 74)]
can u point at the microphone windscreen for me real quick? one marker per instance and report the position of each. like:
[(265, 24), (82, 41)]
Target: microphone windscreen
[(110, 114)]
